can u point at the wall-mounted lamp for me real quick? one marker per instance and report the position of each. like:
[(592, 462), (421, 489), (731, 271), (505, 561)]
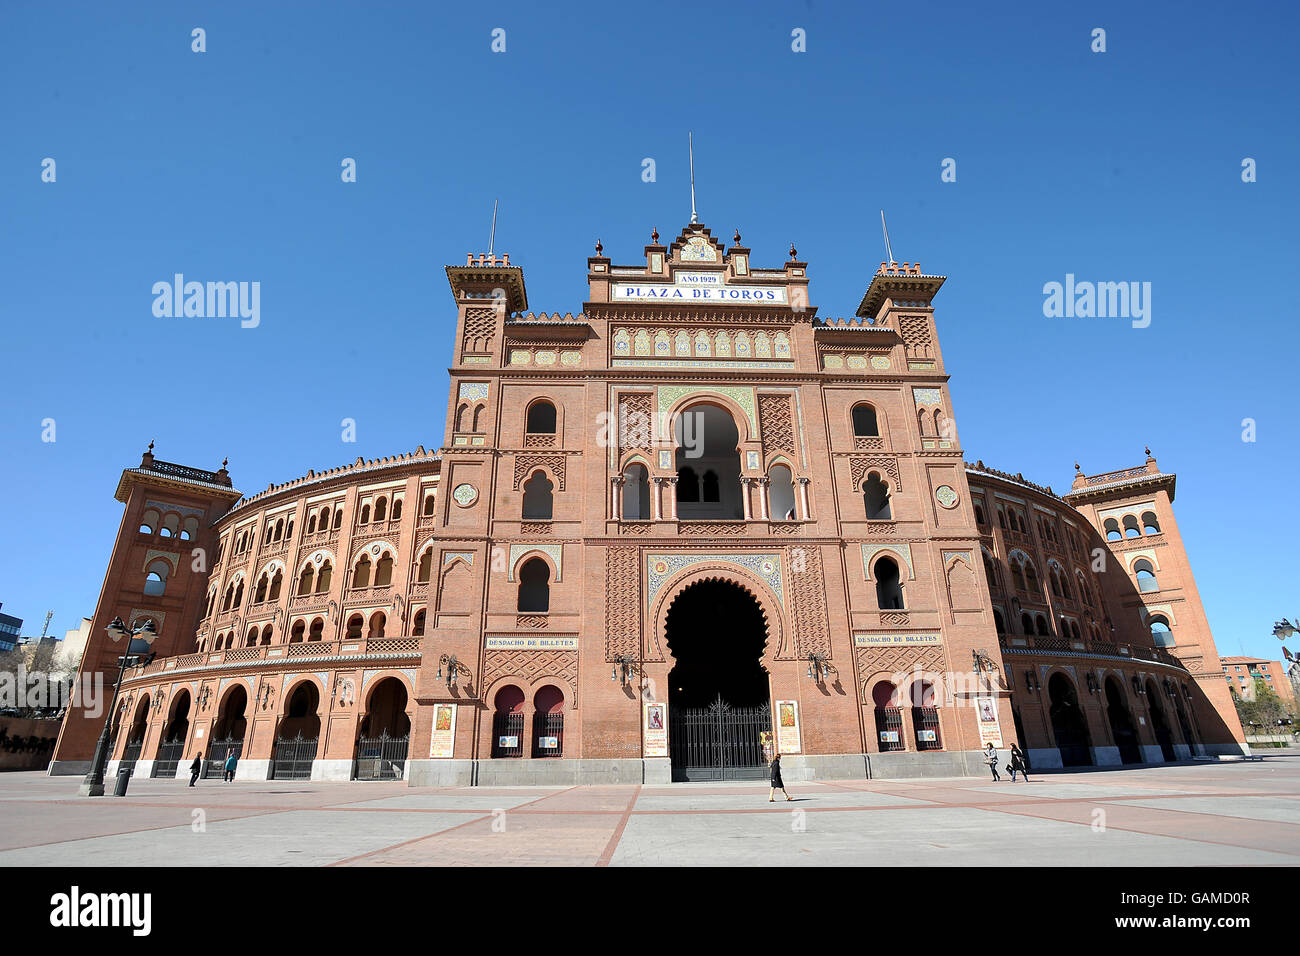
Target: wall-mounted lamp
[(623, 669), (455, 670), (983, 662), (1138, 688), (820, 668), (1093, 686), (1031, 682)]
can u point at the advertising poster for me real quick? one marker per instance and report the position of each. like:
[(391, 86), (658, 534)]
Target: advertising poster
[(787, 727), (444, 730), (656, 729), (990, 733)]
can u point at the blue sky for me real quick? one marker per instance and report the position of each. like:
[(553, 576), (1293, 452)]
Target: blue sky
[(224, 165)]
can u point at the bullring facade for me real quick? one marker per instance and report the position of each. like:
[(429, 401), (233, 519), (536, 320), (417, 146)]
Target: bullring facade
[(689, 525)]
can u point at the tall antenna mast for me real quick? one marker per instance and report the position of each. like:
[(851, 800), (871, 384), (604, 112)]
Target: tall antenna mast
[(889, 253), (690, 139), (492, 241), (45, 630)]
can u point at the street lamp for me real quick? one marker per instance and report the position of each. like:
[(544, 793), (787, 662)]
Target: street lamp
[(623, 669), (454, 670), (93, 784), (819, 668)]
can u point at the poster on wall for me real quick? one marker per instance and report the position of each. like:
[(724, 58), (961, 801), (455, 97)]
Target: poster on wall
[(787, 727), (444, 730), (990, 732), (656, 729)]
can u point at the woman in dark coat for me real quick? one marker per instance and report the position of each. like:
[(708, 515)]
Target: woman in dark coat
[(196, 768), (777, 783), (1018, 763)]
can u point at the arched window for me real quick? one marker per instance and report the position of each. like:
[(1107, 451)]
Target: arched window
[(149, 521), (538, 501), (397, 508), (377, 622), (384, 571), (365, 514), (305, 580), (239, 594), (275, 585), (1161, 633), (266, 635), (381, 509), (279, 529), (1111, 527), (155, 579), (991, 571), (288, 530), (1026, 624), (311, 524), (534, 587), (979, 514), (479, 412), (462, 417), (1131, 527), (541, 418), (1018, 574), (1149, 523), (1031, 578), (1002, 518), (709, 490), (426, 566), (1041, 623), (428, 505), (780, 493), (1146, 575), (171, 526), (338, 519), (323, 579), (688, 485), (636, 493), (263, 584), (189, 529), (998, 624), (251, 639), (889, 585), (296, 634), (864, 421), (417, 628), (317, 630), (361, 577), (355, 623), (1055, 581), (875, 493)]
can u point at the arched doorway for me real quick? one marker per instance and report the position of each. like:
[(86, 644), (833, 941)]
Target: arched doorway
[(508, 723), (889, 717), (298, 734), (1121, 723), (135, 739), (1068, 723), (385, 733), (228, 731), (719, 701), (925, 716), (1159, 724), (548, 722), (172, 745), (708, 464), (1184, 723)]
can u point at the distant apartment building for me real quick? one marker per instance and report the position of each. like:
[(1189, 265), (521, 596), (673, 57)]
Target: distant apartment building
[(1243, 671), (10, 628)]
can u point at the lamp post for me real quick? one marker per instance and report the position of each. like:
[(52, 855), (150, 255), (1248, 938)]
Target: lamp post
[(93, 784)]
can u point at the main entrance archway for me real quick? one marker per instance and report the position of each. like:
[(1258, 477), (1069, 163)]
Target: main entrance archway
[(718, 695)]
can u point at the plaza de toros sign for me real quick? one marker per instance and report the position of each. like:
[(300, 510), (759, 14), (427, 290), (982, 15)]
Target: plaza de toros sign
[(698, 287)]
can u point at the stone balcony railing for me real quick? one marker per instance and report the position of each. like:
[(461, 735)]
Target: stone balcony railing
[(407, 646)]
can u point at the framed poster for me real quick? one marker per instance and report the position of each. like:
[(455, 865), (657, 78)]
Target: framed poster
[(986, 708), (656, 729), (928, 736), (444, 730), (548, 743), (787, 727), (889, 736)]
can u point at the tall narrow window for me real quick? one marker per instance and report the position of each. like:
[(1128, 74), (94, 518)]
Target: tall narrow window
[(541, 418), (538, 501), (864, 422), (876, 495), (889, 587), (534, 587)]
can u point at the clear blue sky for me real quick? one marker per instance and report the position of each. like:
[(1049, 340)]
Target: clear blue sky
[(1119, 166)]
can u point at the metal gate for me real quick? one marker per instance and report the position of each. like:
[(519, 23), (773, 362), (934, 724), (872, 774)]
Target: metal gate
[(169, 758), (293, 758), (889, 729), (382, 757), (508, 735), (718, 742), (218, 751), (131, 754), (548, 735)]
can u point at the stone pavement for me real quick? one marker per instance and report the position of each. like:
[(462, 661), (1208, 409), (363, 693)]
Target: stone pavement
[(1240, 813)]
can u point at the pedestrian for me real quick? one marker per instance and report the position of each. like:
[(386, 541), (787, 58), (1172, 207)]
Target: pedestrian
[(230, 766), (196, 768), (991, 758), (777, 783), (1018, 762)]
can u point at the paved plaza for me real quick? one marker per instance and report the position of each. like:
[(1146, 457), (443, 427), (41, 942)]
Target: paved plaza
[(1220, 814)]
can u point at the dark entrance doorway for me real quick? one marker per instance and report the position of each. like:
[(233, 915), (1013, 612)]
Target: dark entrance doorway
[(718, 695), (1068, 723), (1160, 725), (1121, 723)]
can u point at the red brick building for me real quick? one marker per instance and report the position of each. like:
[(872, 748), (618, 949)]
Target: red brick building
[(1242, 672), (689, 523)]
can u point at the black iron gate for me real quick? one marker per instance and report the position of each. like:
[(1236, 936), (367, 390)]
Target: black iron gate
[(548, 735), (718, 742), (294, 757), (218, 751), (130, 755), (169, 758), (508, 735), (382, 757)]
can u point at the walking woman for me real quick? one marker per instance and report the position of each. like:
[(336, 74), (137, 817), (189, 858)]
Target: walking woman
[(991, 758), (196, 768), (1018, 762), (777, 783)]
